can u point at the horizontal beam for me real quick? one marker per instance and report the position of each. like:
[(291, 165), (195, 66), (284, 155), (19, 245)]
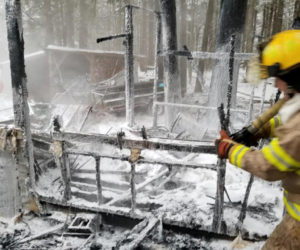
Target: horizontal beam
[(180, 105), (142, 160), (168, 224), (107, 38), (154, 144), (208, 55)]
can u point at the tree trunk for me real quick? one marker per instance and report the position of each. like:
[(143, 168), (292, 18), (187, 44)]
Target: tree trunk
[(249, 33), (83, 25), (171, 84), (68, 24), (182, 42), (297, 9), (277, 16), (208, 39), (49, 37), (229, 24)]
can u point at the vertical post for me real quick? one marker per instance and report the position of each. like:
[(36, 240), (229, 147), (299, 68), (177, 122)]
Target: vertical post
[(221, 165), (19, 80), (157, 48), (230, 84), (218, 209), (133, 189), (155, 114), (129, 67), (251, 106), (62, 161), (98, 181)]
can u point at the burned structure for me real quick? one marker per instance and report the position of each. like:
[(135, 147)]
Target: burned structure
[(117, 185)]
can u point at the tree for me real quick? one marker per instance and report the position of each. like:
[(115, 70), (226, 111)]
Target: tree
[(182, 42), (68, 25), (209, 38), (83, 25), (249, 32), (297, 9), (171, 84), (229, 24)]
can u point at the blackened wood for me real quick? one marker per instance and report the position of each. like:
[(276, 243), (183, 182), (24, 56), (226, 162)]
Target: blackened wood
[(133, 188), (221, 171), (169, 34), (155, 82), (230, 23), (62, 162), (98, 181), (162, 144), (129, 67), (230, 84), (242, 215), (107, 38), (219, 202), (19, 79)]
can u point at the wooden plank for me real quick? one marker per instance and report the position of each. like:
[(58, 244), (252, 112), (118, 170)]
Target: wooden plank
[(98, 181), (161, 144)]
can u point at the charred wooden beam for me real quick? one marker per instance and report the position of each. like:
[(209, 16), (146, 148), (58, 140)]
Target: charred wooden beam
[(129, 67), (107, 38), (126, 158), (98, 180), (19, 80), (161, 144), (157, 48), (208, 55), (135, 237), (133, 188), (168, 224), (62, 161)]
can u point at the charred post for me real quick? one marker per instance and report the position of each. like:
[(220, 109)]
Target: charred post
[(19, 80), (157, 49), (129, 67), (230, 84), (217, 225), (62, 162), (98, 181), (133, 188)]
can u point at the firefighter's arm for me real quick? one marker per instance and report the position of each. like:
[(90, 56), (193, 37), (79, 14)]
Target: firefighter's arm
[(268, 130), (253, 161), (244, 136)]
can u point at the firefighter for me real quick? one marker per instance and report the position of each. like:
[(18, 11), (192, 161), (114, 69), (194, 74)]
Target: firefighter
[(280, 159)]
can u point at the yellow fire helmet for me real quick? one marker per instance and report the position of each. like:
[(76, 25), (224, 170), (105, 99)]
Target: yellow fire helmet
[(281, 54), (280, 57)]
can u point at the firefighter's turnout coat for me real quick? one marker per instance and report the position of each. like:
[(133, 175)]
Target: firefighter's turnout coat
[(280, 160)]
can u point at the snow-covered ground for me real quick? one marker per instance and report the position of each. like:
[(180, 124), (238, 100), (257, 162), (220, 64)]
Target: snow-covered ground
[(184, 195)]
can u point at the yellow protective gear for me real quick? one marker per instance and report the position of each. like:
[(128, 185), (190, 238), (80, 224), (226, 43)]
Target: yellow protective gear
[(281, 54)]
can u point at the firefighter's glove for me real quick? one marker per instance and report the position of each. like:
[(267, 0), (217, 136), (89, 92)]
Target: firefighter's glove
[(244, 136), (224, 144)]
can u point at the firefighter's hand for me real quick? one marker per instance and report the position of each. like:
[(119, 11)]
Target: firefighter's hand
[(224, 144), (245, 137)]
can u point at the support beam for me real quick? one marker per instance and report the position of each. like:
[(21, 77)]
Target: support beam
[(161, 144), (19, 80), (157, 48), (62, 161), (129, 67), (133, 189), (98, 181)]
